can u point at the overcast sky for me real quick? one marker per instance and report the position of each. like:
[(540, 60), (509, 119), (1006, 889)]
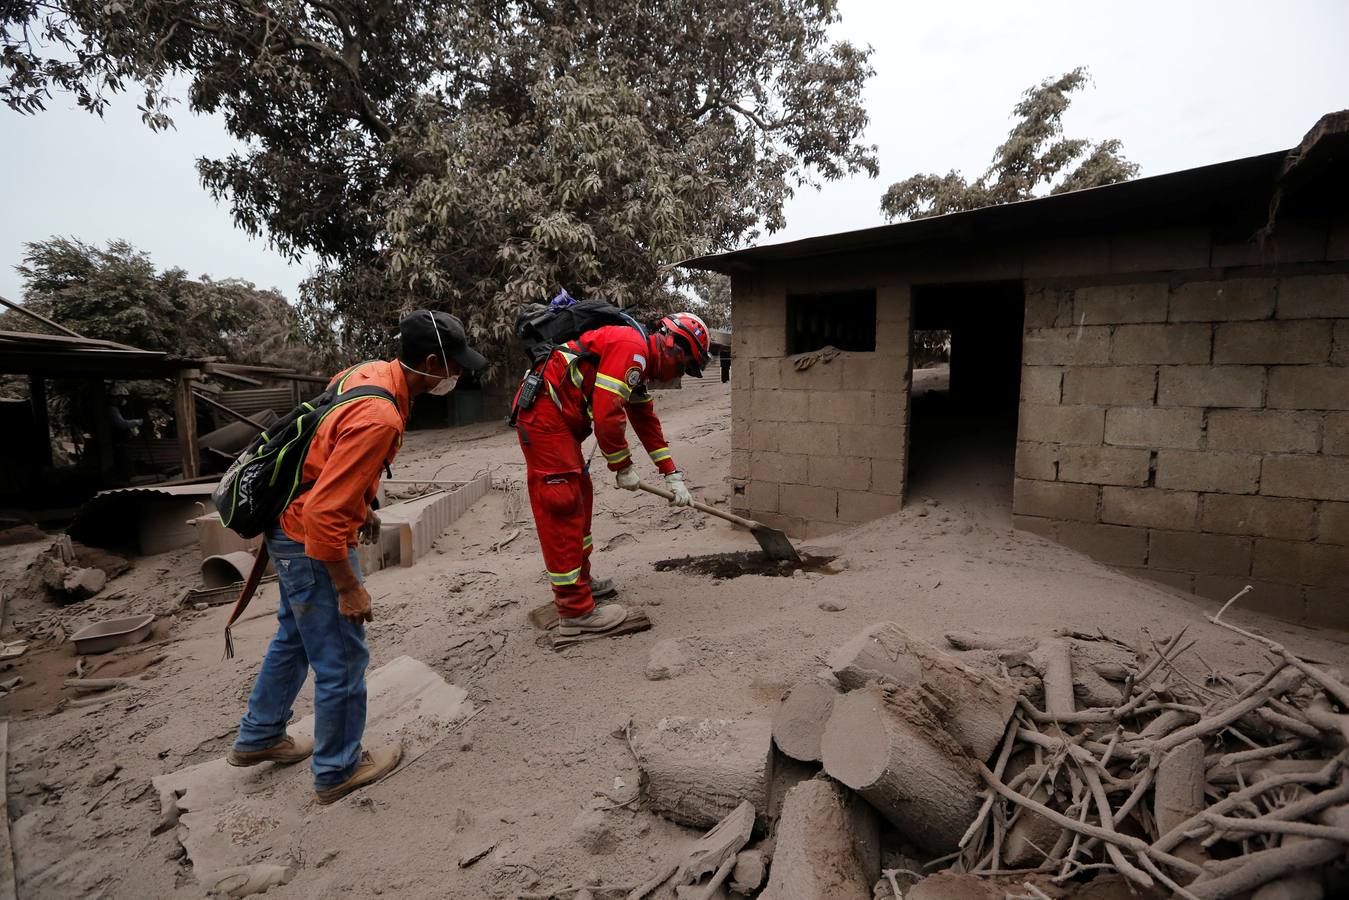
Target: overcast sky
[(1181, 82)]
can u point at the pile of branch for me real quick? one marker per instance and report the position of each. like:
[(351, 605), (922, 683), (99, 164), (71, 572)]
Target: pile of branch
[(1206, 786)]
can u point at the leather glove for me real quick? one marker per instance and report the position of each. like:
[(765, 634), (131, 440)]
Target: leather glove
[(626, 478), (682, 497)]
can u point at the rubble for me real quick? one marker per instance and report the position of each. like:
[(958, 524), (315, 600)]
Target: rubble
[(699, 770)]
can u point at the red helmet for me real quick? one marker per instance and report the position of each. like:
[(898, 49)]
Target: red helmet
[(690, 333)]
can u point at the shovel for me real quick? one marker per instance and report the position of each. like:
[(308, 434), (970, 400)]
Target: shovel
[(774, 543)]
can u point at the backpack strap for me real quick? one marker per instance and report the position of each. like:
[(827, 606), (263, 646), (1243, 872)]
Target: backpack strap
[(343, 397)]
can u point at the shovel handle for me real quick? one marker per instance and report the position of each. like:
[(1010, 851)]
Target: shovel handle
[(748, 524)]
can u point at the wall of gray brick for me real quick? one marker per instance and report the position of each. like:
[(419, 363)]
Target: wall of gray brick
[(1187, 427), (818, 449)]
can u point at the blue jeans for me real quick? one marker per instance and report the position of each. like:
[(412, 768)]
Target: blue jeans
[(310, 633)]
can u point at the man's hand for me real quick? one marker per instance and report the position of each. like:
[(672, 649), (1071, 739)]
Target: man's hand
[(354, 604), (627, 479), (682, 497), (368, 533)]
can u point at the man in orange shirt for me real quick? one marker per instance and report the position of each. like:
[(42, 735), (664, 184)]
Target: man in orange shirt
[(324, 604)]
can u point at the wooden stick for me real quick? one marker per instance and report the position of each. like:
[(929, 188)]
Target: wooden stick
[(1264, 866), (1287, 747), (7, 885), (1127, 842), (1176, 835), (1206, 726), (1126, 868), (1266, 825), (1004, 754), (1332, 685)]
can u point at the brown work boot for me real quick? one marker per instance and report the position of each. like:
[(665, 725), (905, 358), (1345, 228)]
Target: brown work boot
[(602, 587), (601, 618), (283, 752), (372, 767)]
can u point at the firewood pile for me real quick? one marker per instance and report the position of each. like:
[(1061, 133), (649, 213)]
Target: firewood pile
[(1036, 767)]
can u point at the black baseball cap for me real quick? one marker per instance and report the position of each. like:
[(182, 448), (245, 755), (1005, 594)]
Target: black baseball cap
[(423, 332)]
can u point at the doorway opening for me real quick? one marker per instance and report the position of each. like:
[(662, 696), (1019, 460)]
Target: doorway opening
[(966, 384)]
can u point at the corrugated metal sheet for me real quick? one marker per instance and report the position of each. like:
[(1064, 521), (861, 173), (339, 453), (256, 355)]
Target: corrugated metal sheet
[(280, 400)]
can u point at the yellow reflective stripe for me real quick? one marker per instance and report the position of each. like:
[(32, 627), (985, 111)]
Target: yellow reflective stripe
[(560, 579), (586, 542), (642, 398), (553, 394), (660, 455), (617, 455), (612, 385)]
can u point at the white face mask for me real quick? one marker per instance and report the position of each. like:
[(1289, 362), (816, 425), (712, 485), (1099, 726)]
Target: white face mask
[(444, 387)]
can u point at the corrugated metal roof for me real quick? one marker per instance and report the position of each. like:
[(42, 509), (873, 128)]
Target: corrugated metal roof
[(1236, 191)]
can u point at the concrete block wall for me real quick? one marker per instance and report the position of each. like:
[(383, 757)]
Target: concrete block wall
[(1194, 428), (814, 451)]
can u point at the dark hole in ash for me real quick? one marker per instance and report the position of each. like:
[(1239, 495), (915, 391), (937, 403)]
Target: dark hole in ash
[(749, 562)]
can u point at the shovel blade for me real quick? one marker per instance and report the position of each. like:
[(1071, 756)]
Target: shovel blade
[(775, 544)]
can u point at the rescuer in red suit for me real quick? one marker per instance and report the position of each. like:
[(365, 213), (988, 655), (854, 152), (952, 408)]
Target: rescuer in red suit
[(598, 382)]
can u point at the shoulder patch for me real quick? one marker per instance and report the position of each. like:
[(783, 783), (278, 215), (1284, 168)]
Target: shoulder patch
[(634, 376)]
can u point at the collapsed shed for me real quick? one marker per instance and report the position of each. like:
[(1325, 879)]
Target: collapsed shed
[(1155, 372)]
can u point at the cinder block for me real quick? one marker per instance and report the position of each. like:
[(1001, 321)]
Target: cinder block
[(1314, 297), (1312, 477), (1066, 257), (1288, 244), (783, 406), (1150, 508), (1309, 387), (1188, 551), (1110, 385), (1104, 465), (1339, 352), (1042, 384), (1269, 517), (1272, 343), (767, 372), (817, 529), (887, 476), (764, 435), (808, 502), (793, 526), (739, 464), (821, 376), (1120, 303), (892, 410), (1054, 500), (1167, 345), (760, 341), (854, 407), (1065, 346), (812, 438), (1327, 608), (1045, 528), (739, 435), (783, 468), (1302, 563), (1211, 386), (1131, 427), (1037, 461), (1223, 301), (1264, 431), (1283, 601), (874, 441), (1160, 251), (762, 495), (1336, 439), (863, 506), (847, 472), (1048, 307), (1208, 470), (885, 372), (1061, 424), (1332, 524), (1114, 545)]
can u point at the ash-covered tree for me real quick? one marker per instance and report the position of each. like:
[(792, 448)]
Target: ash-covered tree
[(479, 154), (1024, 166)]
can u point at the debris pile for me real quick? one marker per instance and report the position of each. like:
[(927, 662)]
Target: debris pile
[(1069, 765)]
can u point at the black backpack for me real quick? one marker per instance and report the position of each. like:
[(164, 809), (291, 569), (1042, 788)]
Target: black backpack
[(262, 482), (542, 329)]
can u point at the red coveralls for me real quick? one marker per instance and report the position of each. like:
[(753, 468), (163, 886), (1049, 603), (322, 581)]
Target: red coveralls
[(578, 393)]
